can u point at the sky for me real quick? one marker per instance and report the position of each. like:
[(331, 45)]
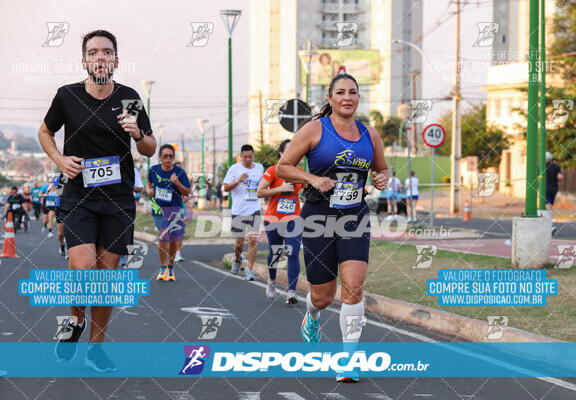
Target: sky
[(191, 81)]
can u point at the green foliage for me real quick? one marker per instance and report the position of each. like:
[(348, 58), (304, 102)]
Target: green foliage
[(388, 130), (266, 155), (478, 139), (564, 32)]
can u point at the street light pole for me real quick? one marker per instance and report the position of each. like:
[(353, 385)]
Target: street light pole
[(201, 122), (148, 89), (404, 111), (230, 19), (542, 180), (532, 123)]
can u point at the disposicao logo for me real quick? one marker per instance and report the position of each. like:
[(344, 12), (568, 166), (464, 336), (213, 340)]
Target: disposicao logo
[(196, 356)]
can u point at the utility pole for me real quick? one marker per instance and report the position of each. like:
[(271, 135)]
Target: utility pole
[(413, 135), (456, 134), (261, 122), (183, 152), (214, 154)]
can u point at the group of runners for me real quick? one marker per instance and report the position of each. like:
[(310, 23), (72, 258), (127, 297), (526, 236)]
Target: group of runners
[(44, 202), (101, 118)]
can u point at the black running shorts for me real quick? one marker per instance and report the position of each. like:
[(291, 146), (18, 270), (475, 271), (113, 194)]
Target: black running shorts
[(245, 224), (332, 236), (106, 223)]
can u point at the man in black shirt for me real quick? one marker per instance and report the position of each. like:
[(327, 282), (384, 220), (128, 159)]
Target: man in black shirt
[(15, 205), (100, 118), (553, 175)]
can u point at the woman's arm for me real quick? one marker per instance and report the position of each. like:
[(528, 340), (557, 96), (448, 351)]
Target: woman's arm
[(264, 191), (380, 173), (304, 140)]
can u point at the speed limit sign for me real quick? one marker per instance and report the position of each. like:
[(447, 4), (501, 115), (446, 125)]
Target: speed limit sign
[(434, 135)]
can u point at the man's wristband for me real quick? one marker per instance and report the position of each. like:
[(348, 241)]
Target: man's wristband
[(140, 138)]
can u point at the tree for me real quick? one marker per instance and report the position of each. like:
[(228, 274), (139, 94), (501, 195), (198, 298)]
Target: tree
[(564, 45), (478, 139), (266, 155), (560, 119), (388, 130)]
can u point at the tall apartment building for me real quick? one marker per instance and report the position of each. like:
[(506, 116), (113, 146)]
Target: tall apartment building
[(279, 30)]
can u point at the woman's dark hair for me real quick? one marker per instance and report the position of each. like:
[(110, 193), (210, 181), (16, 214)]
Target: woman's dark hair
[(282, 146), (326, 109), (102, 33), (166, 146)]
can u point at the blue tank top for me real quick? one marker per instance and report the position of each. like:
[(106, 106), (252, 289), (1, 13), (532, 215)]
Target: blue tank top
[(340, 159)]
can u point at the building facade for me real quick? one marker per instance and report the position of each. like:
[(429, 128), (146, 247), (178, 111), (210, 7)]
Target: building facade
[(281, 30)]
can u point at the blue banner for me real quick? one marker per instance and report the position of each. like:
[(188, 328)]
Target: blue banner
[(245, 360)]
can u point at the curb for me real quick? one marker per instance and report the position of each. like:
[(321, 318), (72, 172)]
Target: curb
[(440, 321)]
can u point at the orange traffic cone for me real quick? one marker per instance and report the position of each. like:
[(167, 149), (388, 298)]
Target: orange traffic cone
[(467, 212), (9, 248)]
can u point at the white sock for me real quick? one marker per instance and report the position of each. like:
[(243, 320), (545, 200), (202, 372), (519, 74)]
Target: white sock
[(312, 310), (351, 321)]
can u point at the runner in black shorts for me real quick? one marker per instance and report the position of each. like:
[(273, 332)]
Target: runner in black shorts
[(340, 153), (100, 119)]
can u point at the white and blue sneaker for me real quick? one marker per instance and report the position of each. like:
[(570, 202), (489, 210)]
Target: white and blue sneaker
[(311, 331)]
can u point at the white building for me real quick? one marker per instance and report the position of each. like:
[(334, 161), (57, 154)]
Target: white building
[(508, 73), (280, 29)]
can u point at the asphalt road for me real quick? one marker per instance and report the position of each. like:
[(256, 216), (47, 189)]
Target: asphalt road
[(159, 318)]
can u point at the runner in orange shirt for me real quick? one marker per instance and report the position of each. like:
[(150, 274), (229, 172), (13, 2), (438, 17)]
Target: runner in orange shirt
[(282, 227)]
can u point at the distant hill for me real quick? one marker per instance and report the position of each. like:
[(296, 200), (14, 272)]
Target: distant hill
[(25, 137)]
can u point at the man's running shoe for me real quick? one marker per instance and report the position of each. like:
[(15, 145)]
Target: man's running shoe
[(271, 290), (311, 331), (62, 251), (66, 349), (236, 267), (162, 274), (347, 377), (50, 234), (123, 261), (248, 275), (97, 359), (292, 297), (178, 256), (170, 275)]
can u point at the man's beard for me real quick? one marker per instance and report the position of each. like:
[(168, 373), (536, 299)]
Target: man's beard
[(102, 79)]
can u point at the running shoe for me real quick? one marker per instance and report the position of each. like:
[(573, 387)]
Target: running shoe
[(347, 377), (62, 251), (162, 274), (97, 359), (292, 297), (271, 290), (178, 257), (50, 234), (170, 275), (123, 261), (236, 267), (43, 229), (248, 275), (66, 349), (311, 331)]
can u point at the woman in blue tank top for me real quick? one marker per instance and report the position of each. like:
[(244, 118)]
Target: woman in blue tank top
[(336, 232)]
